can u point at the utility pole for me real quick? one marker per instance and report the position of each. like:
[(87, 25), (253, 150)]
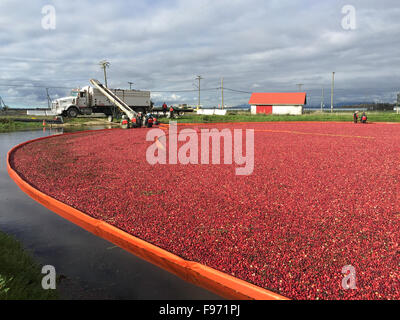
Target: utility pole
[(130, 85), (105, 64), (3, 106), (333, 87), (322, 100), (300, 85), (398, 102), (48, 98), (199, 78), (222, 93)]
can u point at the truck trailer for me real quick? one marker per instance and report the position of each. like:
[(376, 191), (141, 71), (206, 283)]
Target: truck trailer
[(88, 100)]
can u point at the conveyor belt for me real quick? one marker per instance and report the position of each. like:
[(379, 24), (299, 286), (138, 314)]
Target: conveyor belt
[(114, 99)]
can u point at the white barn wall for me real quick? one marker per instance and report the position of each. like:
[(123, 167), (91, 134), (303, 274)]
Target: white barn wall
[(253, 109), (292, 110), (210, 112)]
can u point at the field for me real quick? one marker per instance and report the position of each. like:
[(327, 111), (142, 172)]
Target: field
[(322, 196), (244, 116), (9, 123)]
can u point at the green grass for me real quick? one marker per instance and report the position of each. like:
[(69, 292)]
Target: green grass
[(8, 125), (316, 116), (20, 275)]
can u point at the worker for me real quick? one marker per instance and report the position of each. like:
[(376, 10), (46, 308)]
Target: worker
[(139, 121), (164, 107), (364, 118), (171, 112), (355, 117), (146, 120)]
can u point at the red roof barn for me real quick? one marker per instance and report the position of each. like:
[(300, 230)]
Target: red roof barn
[(278, 103)]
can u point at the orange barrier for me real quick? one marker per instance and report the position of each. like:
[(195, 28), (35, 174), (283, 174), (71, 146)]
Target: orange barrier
[(218, 282)]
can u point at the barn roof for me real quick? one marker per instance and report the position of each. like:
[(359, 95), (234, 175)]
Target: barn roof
[(279, 98)]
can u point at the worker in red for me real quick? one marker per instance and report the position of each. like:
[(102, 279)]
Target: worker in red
[(355, 117), (364, 118), (171, 112), (164, 107)]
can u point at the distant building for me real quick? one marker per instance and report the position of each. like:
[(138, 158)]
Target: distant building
[(278, 103)]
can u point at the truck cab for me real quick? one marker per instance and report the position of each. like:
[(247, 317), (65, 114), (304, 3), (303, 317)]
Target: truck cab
[(65, 105), (82, 99), (74, 104)]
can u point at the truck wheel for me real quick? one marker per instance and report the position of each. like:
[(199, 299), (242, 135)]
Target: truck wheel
[(73, 112)]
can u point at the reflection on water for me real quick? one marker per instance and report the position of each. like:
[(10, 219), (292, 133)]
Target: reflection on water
[(60, 130), (92, 267)]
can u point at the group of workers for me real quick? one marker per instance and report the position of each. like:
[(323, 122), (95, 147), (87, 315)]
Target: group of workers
[(171, 110), (363, 118)]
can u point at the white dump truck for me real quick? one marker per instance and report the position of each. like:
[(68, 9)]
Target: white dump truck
[(88, 100)]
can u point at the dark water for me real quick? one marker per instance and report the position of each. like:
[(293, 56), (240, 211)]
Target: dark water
[(92, 268)]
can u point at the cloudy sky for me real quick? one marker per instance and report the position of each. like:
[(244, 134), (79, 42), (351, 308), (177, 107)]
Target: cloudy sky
[(162, 45)]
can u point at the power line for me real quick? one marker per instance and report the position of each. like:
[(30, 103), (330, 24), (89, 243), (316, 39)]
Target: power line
[(59, 87), (205, 89), (234, 90), (188, 90), (43, 80), (32, 86)]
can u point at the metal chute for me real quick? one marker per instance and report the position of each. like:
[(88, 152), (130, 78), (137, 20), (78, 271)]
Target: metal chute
[(114, 99)]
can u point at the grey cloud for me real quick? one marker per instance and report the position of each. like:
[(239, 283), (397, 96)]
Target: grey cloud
[(164, 44)]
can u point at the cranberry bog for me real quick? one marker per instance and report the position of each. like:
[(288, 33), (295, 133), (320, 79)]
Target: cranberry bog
[(321, 196)]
